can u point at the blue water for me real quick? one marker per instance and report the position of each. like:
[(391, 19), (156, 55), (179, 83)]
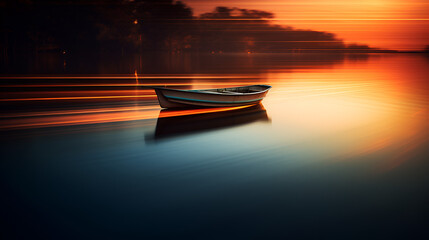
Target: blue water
[(337, 152)]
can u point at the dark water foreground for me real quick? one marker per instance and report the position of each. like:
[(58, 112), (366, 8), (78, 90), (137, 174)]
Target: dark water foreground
[(338, 149)]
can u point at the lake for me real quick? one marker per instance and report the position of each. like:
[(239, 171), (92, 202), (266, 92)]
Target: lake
[(338, 149)]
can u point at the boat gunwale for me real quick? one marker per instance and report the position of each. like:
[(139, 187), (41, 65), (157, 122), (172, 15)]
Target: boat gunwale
[(216, 93)]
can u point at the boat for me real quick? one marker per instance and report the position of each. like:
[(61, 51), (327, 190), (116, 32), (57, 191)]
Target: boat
[(218, 97)]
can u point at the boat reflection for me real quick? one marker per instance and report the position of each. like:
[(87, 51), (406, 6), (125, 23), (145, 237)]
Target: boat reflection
[(168, 126)]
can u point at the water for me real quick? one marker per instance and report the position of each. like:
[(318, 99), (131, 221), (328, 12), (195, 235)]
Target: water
[(338, 148)]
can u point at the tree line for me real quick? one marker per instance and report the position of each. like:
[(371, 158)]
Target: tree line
[(138, 26)]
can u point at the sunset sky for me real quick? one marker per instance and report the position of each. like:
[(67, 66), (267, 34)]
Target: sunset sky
[(391, 24)]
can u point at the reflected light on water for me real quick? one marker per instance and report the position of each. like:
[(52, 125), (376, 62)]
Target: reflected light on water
[(356, 109), (68, 117), (173, 123), (176, 113), (352, 109), (343, 143)]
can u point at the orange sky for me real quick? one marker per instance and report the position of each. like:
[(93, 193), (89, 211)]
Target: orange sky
[(391, 24)]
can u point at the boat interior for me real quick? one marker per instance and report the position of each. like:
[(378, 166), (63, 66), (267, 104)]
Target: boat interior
[(236, 90)]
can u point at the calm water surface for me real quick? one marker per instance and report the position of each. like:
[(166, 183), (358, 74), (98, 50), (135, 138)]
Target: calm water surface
[(338, 148)]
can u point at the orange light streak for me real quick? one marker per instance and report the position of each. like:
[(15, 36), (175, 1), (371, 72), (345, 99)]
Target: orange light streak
[(86, 111), (75, 98), (123, 85), (80, 119), (69, 118), (317, 19), (128, 77)]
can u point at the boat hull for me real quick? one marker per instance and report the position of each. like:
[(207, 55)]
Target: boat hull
[(172, 98)]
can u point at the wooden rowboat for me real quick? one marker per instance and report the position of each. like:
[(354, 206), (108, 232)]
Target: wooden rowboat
[(218, 97)]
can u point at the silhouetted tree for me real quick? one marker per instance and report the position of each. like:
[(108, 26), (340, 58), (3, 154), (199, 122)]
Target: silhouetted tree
[(243, 30)]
